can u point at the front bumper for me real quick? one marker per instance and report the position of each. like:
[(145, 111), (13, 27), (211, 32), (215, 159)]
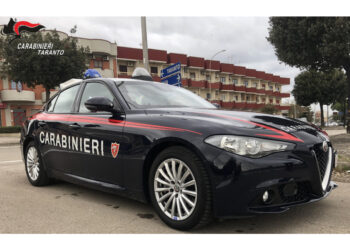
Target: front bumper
[(292, 178)]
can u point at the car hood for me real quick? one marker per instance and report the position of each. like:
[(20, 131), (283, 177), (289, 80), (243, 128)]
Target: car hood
[(217, 121)]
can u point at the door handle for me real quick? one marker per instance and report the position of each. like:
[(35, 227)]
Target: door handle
[(41, 124), (74, 126), (91, 125)]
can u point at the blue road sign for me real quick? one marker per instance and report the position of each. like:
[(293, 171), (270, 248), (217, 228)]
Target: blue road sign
[(173, 80), (172, 69)]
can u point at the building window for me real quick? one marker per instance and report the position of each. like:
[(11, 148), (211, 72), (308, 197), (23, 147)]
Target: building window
[(207, 77), (236, 97), (193, 76), (98, 63), (246, 83), (13, 85), (223, 97), (223, 79), (154, 70), (123, 68), (257, 99), (255, 85), (264, 100), (263, 85), (185, 70), (248, 98), (271, 100), (270, 87), (278, 88), (208, 96), (278, 101), (235, 81)]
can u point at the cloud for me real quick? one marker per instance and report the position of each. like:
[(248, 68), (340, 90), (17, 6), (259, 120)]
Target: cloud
[(243, 38)]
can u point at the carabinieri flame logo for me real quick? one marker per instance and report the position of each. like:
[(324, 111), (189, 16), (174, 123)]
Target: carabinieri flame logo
[(17, 28)]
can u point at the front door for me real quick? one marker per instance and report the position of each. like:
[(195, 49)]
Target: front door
[(19, 116), (103, 154)]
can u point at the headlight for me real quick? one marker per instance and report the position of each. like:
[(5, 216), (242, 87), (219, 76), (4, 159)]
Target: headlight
[(248, 146)]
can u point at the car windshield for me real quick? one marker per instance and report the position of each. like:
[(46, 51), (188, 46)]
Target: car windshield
[(142, 94)]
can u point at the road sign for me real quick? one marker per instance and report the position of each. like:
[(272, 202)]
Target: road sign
[(172, 69), (173, 80)]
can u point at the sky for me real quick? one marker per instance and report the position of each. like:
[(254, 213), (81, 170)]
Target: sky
[(243, 38)]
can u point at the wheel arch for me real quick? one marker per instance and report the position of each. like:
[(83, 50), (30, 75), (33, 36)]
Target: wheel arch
[(26, 141), (158, 147)]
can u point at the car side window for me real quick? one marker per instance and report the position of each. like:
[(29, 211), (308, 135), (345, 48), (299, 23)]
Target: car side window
[(93, 89), (51, 104), (65, 100)]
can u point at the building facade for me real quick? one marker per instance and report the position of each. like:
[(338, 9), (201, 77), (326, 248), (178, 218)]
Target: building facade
[(231, 86)]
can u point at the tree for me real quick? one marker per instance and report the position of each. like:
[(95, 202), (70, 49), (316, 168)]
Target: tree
[(320, 43), (33, 68), (301, 111), (319, 87), (341, 106), (269, 109)]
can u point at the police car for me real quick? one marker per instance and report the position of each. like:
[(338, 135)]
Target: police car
[(163, 144)]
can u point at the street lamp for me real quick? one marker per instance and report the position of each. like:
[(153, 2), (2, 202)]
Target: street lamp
[(210, 67)]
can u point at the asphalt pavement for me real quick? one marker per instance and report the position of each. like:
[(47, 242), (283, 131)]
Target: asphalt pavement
[(67, 208)]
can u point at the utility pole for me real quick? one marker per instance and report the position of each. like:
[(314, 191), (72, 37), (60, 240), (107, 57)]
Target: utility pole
[(144, 43), (211, 59)]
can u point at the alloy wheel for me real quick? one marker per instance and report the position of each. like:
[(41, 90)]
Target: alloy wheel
[(175, 189), (33, 163)]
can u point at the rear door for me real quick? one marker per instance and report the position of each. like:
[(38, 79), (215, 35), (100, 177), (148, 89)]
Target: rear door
[(103, 154), (55, 136)]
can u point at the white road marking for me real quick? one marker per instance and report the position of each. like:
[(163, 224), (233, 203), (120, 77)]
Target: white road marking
[(15, 161)]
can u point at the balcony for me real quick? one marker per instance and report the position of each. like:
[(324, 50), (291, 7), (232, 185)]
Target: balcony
[(156, 55), (269, 92), (195, 62), (276, 93), (284, 95), (240, 88), (260, 91), (184, 82), (12, 95), (99, 45), (240, 105), (282, 107), (214, 85), (196, 84), (250, 90), (227, 105), (228, 87), (259, 105), (174, 58), (155, 78), (251, 105)]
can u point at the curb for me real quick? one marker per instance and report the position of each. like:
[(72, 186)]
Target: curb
[(9, 144)]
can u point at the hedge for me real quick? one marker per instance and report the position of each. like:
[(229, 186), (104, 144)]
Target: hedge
[(11, 129)]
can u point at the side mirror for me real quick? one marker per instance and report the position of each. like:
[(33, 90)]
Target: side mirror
[(99, 104)]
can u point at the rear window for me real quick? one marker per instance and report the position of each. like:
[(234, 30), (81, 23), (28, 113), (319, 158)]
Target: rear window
[(64, 103)]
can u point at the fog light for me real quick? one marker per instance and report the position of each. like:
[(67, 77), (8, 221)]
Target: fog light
[(266, 196)]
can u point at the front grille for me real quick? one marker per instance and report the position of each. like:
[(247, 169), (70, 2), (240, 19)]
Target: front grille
[(322, 159)]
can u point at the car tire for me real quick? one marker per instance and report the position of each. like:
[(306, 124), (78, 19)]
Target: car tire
[(191, 195), (34, 168)]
